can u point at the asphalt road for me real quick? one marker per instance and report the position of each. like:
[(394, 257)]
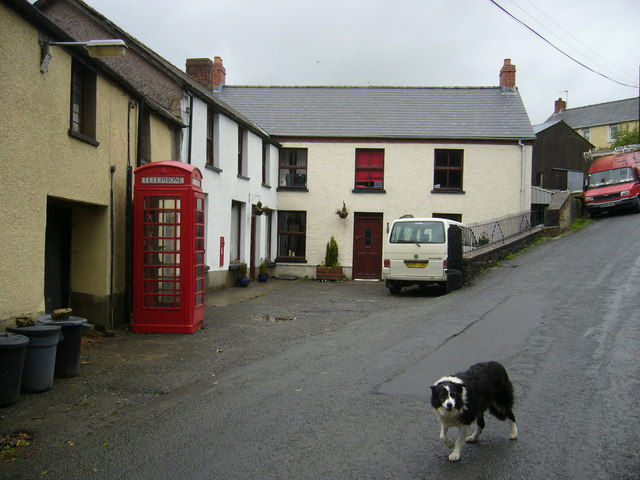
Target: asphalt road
[(349, 399)]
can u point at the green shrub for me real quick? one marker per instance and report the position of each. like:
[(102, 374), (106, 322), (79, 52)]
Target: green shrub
[(331, 255), (242, 270)]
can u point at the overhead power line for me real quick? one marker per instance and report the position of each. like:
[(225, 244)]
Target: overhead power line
[(559, 49), (620, 73)]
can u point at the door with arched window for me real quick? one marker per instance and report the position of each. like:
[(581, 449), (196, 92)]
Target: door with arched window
[(367, 246)]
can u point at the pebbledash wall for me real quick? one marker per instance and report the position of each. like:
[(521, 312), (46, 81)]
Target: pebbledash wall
[(496, 182)]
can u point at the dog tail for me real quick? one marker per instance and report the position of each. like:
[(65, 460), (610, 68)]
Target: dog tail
[(502, 407)]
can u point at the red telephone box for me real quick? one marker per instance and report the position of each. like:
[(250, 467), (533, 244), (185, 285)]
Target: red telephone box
[(168, 253)]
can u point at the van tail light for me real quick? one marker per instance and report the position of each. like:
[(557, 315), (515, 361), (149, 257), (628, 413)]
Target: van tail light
[(387, 263), (445, 264)]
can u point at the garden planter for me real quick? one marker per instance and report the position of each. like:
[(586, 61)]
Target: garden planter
[(329, 273)]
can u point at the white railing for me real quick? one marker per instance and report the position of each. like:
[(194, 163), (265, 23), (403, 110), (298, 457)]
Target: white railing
[(500, 229)]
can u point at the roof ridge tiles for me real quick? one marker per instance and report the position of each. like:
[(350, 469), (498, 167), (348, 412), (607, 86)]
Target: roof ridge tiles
[(365, 87)]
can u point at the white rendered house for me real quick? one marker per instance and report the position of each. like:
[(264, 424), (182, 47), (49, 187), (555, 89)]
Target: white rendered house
[(462, 153)]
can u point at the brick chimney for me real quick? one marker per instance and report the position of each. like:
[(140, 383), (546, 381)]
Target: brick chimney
[(560, 106), (209, 74), (508, 75), (219, 72), (201, 70)]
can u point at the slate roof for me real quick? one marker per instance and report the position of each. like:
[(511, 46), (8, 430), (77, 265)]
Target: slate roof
[(543, 126), (608, 113), (384, 112)]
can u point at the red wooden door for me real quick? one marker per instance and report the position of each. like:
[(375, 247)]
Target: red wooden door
[(367, 246)]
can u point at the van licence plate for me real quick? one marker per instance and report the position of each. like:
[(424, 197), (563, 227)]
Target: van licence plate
[(416, 264)]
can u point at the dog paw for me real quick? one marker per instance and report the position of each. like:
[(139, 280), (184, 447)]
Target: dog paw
[(449, 443), (471, 439), (513, 434), (454, 456)]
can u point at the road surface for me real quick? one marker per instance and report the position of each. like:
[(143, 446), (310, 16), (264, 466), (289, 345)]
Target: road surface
[(352, 402)]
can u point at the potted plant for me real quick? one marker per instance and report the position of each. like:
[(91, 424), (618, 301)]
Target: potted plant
[(343, 212), (331, 269), (258, 209), (243, 280), (263, 276)]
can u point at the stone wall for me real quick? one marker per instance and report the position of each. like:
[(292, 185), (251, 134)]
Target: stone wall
[(477, 261)]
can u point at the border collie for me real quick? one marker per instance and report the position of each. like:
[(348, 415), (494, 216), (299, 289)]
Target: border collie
[(461, 399)]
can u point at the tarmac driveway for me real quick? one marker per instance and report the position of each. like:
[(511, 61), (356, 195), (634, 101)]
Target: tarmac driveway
[(242, 326)]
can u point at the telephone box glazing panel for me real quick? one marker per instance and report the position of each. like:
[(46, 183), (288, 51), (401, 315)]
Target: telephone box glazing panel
[(161, 252)]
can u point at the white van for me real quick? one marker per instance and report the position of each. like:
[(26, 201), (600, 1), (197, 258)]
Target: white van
[(416, 252)]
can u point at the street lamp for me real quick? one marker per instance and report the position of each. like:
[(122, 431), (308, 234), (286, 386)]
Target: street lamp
[(96, 48)]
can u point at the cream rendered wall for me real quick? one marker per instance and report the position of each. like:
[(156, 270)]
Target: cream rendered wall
[(162, 140), (20, 275), (599, 134), (492, 181), (40, 160), (223, 185), (88, 225)]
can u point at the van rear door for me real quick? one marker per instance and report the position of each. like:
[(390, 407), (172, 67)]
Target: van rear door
[(416, 250)]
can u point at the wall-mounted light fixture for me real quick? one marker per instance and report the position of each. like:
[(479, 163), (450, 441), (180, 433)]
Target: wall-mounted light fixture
[(96, 49)]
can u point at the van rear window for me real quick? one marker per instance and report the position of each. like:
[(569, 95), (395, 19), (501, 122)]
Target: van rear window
[(417, 232)]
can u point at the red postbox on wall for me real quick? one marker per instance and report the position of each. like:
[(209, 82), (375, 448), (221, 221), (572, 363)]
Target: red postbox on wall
[(168, 254)]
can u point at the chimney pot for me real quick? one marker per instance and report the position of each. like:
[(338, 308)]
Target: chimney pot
[(508, 75), (219, 73)]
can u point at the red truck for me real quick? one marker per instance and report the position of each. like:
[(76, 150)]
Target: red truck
[(613, 181)]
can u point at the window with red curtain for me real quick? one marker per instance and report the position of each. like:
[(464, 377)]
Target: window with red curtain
[(369, 169)]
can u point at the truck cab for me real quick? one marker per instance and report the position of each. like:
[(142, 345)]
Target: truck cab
[(613, 180)]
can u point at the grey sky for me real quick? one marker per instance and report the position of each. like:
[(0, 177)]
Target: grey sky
[(400, 42)]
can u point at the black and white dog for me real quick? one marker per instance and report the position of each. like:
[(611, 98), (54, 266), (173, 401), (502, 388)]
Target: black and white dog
[(464, 397)]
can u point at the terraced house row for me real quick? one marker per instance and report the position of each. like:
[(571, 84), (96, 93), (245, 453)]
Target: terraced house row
[(277, 163)]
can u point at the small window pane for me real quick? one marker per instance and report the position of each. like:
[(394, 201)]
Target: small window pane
[(293, 168), (292, 234), (367, 237), (448, 169)]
